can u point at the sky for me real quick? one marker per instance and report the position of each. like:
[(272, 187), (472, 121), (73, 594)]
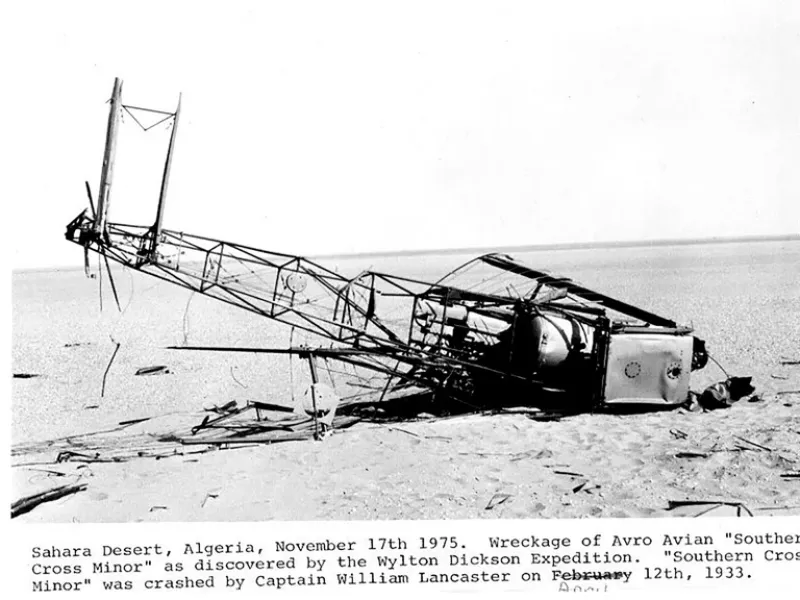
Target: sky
[(337, 127)]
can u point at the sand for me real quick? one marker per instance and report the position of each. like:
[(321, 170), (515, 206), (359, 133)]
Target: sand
[(742, 298)]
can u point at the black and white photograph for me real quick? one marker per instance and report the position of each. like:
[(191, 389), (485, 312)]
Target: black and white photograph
[(353, 261)]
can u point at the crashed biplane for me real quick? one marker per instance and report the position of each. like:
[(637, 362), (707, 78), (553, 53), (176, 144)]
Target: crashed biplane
[(492, 332)]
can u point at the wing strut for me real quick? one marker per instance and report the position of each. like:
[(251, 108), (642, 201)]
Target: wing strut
[(507, 263)]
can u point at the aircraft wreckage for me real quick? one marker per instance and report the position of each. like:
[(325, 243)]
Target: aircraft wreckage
[(493, 332)]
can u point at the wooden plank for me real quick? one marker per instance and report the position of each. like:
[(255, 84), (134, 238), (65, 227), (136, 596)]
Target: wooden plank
[(27, 504)]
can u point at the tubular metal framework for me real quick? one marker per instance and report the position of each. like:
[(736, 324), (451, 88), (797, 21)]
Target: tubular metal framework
[(492, 319)]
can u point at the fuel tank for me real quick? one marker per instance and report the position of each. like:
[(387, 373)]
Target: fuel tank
[(556, 338)]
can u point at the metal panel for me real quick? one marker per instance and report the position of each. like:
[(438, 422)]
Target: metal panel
[(648, 368)]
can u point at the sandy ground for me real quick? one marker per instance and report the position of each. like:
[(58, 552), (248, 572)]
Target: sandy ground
[(742, 298)]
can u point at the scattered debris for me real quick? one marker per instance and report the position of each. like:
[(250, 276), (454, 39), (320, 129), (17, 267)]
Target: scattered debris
[(753, 443), (497, 500), (521, 455), (27, 504), (154, 370), (692, 403), (108, 368), (491, 454), (416, 435), (206, 420), (725, 393), (270, 425), (70, 456), (678, 434), (691, 455), (135, 421), (712, 504), (583, 488), (207, 498), (225, 409), (569, 473), (236, 380), (49, 472)]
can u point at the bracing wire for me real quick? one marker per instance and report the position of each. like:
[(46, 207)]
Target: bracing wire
[(721, 368), (291, 365)]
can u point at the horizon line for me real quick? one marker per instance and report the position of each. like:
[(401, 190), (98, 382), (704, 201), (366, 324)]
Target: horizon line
[(788, 237)]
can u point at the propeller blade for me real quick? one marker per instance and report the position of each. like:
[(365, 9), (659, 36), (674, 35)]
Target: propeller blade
[(105, 259), (91, 202), (86, 261), (94, 216), (113, 285), (100, 281)]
